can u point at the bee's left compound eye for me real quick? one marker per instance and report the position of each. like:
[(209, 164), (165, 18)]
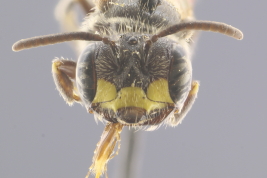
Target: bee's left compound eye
[(86, 74), (180, 76)]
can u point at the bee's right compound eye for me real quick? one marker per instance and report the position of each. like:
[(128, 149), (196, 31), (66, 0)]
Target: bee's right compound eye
[(86, 74), (180, 76)]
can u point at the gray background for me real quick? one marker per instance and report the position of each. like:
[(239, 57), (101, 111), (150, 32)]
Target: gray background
[(224, 135)]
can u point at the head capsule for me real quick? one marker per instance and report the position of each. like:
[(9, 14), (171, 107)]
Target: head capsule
[(133, 84)]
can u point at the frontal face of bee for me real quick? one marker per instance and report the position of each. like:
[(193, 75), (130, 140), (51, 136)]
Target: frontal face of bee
[(128, 81), (133, 85)]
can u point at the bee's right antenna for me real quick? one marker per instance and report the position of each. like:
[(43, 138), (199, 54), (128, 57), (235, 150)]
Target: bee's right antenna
[(201, 25), (56, 38)]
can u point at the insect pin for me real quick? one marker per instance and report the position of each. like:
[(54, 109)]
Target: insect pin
[(134, 67)]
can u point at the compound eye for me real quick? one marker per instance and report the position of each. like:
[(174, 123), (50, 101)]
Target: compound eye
[(180, 75), (86, 74)]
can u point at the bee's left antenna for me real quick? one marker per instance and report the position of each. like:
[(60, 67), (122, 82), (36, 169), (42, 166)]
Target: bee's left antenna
[(203, 26), (56, 38)]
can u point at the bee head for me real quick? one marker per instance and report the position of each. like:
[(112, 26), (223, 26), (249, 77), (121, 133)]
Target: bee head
[(129, 82)]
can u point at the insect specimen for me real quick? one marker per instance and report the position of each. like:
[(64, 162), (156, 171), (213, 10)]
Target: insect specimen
[(134, 67)]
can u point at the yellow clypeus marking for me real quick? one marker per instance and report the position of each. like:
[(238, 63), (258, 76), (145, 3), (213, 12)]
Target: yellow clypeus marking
[(157, 96)]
